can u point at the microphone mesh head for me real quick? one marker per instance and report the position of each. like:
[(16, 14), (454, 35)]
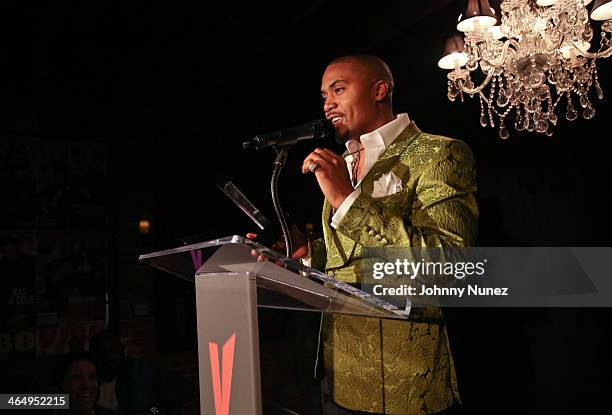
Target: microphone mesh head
[(324, 128)]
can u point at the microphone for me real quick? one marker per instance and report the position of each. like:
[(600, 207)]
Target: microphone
[(313, 130)]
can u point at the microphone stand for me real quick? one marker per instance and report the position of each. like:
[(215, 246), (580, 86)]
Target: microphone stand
[(281, 158)]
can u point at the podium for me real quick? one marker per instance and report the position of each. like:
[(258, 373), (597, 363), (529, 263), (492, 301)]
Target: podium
[(230, 284)]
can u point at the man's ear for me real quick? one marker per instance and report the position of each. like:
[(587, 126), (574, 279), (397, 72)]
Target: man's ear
[(381, 90)]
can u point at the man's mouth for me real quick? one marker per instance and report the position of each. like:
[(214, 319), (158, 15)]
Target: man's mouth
[(336, 119)]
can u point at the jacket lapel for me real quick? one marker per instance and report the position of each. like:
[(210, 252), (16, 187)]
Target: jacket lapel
[(388, 159), (341, 247)]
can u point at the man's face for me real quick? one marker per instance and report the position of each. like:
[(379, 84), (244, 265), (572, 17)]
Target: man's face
[(349, 99), (81, 384)]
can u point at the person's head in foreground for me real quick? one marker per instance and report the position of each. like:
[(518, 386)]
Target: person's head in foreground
[(78, 378)]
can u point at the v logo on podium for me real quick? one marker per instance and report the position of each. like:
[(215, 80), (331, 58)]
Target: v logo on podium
[(222, 380)]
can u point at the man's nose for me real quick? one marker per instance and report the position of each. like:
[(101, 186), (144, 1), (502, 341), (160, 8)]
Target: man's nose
[(91, 382), (328, 104)]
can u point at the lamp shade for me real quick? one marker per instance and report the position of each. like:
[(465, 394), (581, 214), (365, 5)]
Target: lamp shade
[(453, 53), (496, 6), (602, 10), (478, 15), (495, 30)]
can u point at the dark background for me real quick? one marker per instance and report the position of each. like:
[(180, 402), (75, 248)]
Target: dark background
[(171, 89)]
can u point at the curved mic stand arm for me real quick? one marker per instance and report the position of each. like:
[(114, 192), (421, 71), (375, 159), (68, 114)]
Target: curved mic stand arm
[(281, 158)]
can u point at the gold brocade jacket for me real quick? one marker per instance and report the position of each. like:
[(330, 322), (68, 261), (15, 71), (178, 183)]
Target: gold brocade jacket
[(390, 366)]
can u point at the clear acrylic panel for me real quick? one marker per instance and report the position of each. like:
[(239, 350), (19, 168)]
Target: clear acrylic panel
[(291, 286)]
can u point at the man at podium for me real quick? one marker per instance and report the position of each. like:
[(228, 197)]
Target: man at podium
[(395, 186)]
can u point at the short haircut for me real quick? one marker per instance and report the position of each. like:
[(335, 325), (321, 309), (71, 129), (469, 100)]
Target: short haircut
[(375, 66)]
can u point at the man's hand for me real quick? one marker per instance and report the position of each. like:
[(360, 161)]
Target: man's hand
[(332, 175), (298, 240)]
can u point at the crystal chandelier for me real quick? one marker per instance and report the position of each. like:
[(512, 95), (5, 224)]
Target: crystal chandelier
[(531, 56)]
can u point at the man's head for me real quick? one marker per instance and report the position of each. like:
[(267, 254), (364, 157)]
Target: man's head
[(78, 378), (357, 95)]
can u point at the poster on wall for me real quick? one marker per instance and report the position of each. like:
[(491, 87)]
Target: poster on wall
[(17, 280), (17, 292), (71, 186), (56, 339), (53, 253), (71, 278)]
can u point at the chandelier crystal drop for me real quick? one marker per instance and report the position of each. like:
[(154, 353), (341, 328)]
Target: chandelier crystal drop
[(527, 61)]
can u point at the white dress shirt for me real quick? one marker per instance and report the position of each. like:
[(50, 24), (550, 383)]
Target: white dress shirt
[(374, 144)]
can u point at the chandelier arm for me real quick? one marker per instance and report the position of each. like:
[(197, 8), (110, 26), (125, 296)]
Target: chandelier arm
[(460, 82), (597, 55), (502, 58), (557, 46), (461, 85)]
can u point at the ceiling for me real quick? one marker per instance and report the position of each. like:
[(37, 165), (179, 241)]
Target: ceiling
[(192, 80), (108, 68)]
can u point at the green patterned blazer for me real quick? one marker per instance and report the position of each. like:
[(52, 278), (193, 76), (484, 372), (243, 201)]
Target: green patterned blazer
[(389, 366)]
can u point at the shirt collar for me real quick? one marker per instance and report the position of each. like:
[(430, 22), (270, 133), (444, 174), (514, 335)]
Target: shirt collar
[(382, 136)]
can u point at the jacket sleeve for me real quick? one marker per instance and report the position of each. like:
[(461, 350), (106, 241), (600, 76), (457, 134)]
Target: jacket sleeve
[(318, 254), (443, 211)]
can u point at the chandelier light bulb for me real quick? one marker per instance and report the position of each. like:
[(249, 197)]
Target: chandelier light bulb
[(453, 60), (454, 56), (496, 32), (545, 2)]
